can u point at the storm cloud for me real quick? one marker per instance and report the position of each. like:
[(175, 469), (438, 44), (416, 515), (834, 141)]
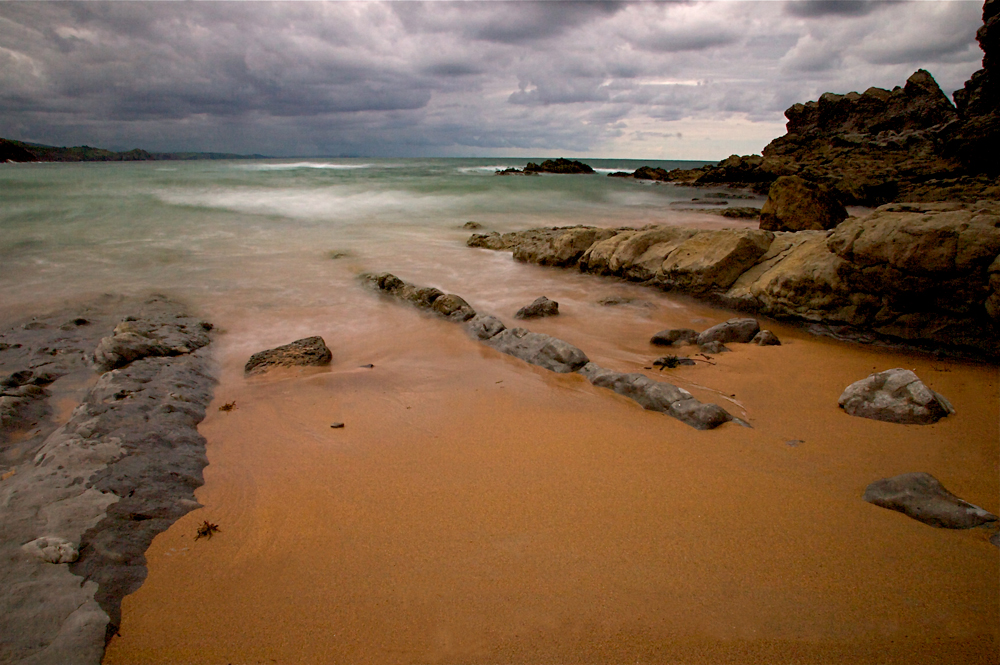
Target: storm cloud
[(697, 80)]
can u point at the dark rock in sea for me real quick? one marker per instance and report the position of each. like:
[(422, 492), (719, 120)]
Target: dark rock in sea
[(895, 396), (472, 226), (447, 305), (560, 165), (620, 174), (512, 171), (739, 330), (765, 338), (673, 336), (795, 204), (740, 212), (541, 306), (310, 351), (658, 396), (650, 173), (922, 497)]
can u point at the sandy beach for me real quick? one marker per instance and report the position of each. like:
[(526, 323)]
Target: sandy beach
[(475, 509)]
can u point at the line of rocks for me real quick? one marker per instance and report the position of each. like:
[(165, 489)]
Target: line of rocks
[(82, 503), (924, 275), (554, 354)]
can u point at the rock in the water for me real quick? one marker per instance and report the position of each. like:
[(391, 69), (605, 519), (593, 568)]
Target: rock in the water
[(447, 305), (539, 349), (52, 550), (739, 330), (472, 226), (673, 336), (542, 306), (922, 497), (558, 166), (765, 338), (484, 326), (310, 351), (795, 204), (895, 396), (658, 396)]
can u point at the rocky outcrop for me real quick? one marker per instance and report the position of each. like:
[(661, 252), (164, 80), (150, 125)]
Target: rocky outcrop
[(568, 166), (445, 305), (562, 357), (82, 502), (541, 306), (920, 274), (922, 497), (977, 139), (895, 396), (149, 336), (307, 352), (795, 204)]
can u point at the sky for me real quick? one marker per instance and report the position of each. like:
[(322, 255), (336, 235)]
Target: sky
[(642, 80)]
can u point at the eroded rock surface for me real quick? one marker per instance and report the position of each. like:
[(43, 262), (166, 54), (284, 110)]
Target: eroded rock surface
[(922, 497), (541, 306), (446, 305), (895, 396), (539, 349), (795, 204), (306, 352), (82, 502)]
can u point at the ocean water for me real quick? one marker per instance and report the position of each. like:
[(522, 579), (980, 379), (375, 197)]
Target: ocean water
[(273, 243)]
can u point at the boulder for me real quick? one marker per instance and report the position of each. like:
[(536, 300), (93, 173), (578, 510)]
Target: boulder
[(560, 165), (739, 330), (558, 247), (541, 306), (484, 326), (795, 204), (895, 396), (597, 258), (640, 256), (539, 349), (658, 396), (310, 351), (922, 497), (453, 307), (714, 347), (765, 338), (712, 260), (673, 336), (650, 173)]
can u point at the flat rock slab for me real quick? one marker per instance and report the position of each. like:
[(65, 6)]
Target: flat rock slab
[(310, 351), (541, 306), (895, 396), (922, 497)]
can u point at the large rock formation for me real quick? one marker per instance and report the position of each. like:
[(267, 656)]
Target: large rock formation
[(795, 204), (976, 142), (558, 166), (926, 274)]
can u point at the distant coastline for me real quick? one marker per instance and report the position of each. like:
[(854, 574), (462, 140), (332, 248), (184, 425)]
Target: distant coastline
[(21, 151)]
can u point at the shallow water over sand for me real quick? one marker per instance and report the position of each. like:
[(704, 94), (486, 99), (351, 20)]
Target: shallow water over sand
[(475, 509)]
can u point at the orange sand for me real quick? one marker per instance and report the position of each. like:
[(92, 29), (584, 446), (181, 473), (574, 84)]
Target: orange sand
[(478, 510)]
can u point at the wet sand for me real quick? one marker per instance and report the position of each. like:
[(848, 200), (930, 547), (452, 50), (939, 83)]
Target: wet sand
[(476, 509)]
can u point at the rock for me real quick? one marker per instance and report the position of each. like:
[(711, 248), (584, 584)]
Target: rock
[(712, 260), (541, 306), (557, 247), (151, 333), (52, 550), (446, 305), (472, 226), (337, 426), (765, 338), (513, 171), (484, 326), (922, 497), (453, 307), (670, 362), (539, 349), (895, 396), (491, 240), (560, 165), (739, 330), (795, 204), (650, 173), (658, 396), (640, 254), (673, 336), (714, 347), (741, 212), (310, 351), (620, 174)]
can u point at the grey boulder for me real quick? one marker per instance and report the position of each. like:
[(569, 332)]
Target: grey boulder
[(766, 338), (895, 396), (539, 349), (739, 330), (670, 337), (310, 351), (484, 326), (542, 306), (922, 497)]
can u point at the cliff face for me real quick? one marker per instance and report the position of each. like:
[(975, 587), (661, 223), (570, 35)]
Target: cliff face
[(976, 142)]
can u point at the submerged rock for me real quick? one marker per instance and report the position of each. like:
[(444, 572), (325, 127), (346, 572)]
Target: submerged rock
[(895, 396), (922, 497), (541, 306), (539, 349), (310, 351)]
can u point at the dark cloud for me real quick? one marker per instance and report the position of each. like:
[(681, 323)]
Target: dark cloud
[(821, 8)]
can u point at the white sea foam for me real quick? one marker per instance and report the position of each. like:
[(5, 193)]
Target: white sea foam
[(303, 165)]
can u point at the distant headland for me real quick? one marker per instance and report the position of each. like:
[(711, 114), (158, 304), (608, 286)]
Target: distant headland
[(20, 151)]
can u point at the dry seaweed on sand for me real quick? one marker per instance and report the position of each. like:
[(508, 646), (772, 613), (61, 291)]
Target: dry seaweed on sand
[(228, 406), (206, 530)]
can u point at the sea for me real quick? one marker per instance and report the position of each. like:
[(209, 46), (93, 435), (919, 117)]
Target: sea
[(266, 243)]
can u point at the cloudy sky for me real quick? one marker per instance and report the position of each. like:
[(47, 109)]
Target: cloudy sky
[(653, 80)]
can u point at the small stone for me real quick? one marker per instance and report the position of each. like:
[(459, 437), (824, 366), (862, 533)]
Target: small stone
[(765, 338), (714, 347), (368, 366), (337, 426), (52, 550), (309, 351), (472, 226)]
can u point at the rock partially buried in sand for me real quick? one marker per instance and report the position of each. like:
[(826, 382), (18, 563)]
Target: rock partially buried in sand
[(542, 306), (52, 550), (895, 396), (766, 338), (674, 336), (484, 326), (539, 349), (739, 330), (310, 351), (923, 497)]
